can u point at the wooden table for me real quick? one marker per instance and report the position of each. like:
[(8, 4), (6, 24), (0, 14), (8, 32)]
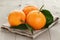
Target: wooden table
[(8, 5)]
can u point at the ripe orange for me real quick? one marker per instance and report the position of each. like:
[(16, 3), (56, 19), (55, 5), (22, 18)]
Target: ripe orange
[(36, 19), (27, 9), (15, 17)]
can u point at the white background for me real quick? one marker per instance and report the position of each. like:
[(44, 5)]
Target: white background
[(8, 5)]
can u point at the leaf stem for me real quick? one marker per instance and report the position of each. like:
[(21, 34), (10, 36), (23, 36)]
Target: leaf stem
[(41, 7), (30, 28)]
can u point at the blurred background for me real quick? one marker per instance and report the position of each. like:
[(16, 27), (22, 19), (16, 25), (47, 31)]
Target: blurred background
[(8, 5)]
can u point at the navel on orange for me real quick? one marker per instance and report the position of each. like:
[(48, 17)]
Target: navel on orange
[(36, 19), (27, 9), (15, 17)]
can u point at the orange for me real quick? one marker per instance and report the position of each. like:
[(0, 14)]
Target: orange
[(36, 19), (15, 17), (27, 9)]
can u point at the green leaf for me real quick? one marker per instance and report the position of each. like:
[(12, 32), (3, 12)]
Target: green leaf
[(21, 27), (49, 17)]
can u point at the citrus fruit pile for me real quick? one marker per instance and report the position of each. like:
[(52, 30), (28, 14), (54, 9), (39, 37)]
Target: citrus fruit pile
[(30, 17)]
